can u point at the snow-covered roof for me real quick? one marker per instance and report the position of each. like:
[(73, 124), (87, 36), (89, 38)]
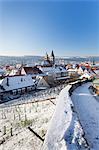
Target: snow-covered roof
[(45, 69), (79, 70), (2, 71), (52, 69), (41, 75), (41, 88), (14, 72), (16, 82), (85, 75), (96, 82), (60, 78), (71, 70), (96, 71), (96, 65), (45, 62), (86, 71)]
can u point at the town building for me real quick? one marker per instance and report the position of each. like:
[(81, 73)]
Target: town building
[(13, 85), (96, 85), (48, 61), (42, 82), (32, 71)]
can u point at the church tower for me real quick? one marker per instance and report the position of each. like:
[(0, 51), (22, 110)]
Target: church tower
[(52, 58), (47, 57)]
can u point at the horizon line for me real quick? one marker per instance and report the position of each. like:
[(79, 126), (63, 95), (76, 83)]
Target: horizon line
[(44, 55)]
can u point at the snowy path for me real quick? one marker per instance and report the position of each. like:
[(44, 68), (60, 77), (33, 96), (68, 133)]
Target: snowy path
[(64, 132), (87, 108)]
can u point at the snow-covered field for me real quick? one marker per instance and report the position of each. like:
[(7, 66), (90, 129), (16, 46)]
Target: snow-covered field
[(34, 110), (18, 118), (74, 121)]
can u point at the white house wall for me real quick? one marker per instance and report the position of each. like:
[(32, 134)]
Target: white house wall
[(42, 83), (23, 71)]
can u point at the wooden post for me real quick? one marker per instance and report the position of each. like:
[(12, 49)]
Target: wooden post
[(19, 116), (13, 114), (11, 130), (4, 130), (25, 118)]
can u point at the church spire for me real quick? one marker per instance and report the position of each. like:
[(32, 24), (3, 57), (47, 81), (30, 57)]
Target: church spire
[(52, 54), (52, 58), (46, 57)]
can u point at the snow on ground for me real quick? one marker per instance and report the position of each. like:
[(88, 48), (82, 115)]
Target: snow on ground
[(33, 110), (65, 131), (87, 108), (71, 126), (35, 115), (22, 141)]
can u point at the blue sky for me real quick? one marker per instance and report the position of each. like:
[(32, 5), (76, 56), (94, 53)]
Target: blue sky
[(70, 28)]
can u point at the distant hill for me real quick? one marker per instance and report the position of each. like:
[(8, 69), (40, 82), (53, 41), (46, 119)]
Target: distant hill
[(12, 60), (80, 59)]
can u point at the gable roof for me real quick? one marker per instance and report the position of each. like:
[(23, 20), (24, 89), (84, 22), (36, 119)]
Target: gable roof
[(42, 83), (32, 70)]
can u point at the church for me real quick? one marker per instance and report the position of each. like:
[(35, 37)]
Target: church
[(49, 61)]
